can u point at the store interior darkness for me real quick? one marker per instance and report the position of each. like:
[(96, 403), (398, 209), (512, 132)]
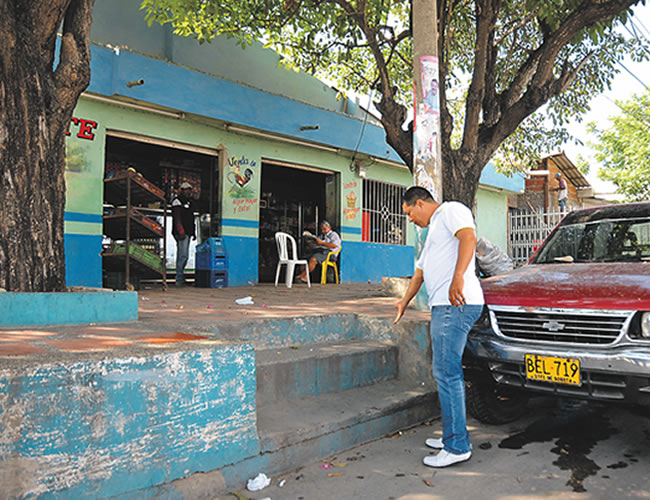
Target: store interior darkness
[(292, 201), (167, 168)]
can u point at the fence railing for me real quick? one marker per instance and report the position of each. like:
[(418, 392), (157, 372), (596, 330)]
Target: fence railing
[(527, 231)]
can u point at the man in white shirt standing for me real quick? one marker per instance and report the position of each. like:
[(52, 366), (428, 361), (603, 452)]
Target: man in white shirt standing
[(446, 267)]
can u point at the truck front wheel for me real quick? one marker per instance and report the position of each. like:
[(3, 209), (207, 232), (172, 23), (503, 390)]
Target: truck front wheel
[(490, 403)]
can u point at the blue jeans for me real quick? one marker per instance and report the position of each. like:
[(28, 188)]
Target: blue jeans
[(449, 328), (182, 254)]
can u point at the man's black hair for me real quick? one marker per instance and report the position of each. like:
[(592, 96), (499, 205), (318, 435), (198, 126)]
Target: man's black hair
[(415, 193)]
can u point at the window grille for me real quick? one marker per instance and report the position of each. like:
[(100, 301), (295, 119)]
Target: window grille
[(383, 220)]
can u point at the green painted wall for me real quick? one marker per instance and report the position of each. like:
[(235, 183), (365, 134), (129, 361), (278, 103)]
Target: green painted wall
[(491, 212), (84, 169)]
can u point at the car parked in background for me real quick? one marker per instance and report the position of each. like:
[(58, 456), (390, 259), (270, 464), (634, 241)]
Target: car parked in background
[(574, 321)]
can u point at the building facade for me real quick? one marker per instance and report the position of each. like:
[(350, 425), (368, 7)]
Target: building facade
[(266, 150)]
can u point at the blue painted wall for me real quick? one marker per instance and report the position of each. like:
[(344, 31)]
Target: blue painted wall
[(514, 183), (362, 262), (242, 260), (81, 260), (24, 309), (121, 23), (100, 428)]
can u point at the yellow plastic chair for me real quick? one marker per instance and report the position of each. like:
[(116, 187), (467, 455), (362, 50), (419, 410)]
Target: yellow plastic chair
[(330, 263)]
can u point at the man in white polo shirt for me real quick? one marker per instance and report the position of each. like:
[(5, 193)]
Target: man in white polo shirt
[(446, 266)]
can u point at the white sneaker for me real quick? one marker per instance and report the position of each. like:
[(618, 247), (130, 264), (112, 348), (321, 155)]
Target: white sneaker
[(435, 443), (445, 459)]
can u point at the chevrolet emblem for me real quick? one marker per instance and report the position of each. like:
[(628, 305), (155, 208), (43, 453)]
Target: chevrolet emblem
[(553, 326)]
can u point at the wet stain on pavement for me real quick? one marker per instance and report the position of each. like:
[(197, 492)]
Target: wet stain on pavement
[(576, 431), (485, 446), (617, 465)]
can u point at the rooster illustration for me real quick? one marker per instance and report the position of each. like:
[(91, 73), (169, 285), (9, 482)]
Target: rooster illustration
[(241, 180)]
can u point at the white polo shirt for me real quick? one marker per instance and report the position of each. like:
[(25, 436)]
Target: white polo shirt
[(332, 237), (440, 254)]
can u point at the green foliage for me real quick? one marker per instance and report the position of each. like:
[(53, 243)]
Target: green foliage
[(347, 42), (624, 148), (582, 164)]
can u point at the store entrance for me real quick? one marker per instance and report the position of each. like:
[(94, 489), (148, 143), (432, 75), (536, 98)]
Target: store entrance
[(293, 200), (167, 168)]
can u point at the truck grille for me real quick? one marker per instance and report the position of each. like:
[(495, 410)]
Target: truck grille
[(559, 327), (595, 385)]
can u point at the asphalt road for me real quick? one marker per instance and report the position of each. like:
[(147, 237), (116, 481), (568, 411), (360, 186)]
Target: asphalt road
[(571, 450)]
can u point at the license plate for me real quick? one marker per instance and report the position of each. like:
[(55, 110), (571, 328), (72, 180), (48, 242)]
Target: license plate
[(552, 369)]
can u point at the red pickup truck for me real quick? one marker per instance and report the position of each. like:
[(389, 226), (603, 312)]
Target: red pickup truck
[(574, 321)]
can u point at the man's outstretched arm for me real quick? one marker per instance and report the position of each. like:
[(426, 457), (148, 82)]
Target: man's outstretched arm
[(411, 291)]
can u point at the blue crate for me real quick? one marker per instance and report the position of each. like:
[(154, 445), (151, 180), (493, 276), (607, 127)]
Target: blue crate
[(214, 246), (211, 279), (210, 262)]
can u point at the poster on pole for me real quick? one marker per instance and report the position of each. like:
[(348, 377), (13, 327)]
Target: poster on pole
[(427, 129)]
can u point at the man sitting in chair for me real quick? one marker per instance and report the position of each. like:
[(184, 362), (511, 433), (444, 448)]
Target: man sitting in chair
[(329, 241)]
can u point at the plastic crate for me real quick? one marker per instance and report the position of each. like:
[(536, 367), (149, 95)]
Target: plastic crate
[(211, 279), (213, 245), (210, 262), (150, 259)]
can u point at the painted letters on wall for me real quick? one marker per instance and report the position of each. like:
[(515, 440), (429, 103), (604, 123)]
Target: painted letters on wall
[(238, 178)]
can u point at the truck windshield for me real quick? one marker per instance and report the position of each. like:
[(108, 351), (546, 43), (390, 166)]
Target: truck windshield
[(610, 240)]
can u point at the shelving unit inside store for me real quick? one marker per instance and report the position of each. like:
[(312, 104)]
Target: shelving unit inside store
[(127, 190)]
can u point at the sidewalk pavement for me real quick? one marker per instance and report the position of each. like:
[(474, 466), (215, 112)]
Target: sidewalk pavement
[(185, 314), (391, 468), (542, 455)]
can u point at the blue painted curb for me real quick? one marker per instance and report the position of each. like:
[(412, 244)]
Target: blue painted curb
[(30, 309)]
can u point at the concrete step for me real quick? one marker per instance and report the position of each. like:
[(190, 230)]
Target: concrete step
[(288, 373), (355, 412), (298, 431)]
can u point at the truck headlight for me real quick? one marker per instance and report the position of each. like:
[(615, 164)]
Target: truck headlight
[(645, 325)]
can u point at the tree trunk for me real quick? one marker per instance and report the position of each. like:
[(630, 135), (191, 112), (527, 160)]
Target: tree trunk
[(460, 176), (36, 105)]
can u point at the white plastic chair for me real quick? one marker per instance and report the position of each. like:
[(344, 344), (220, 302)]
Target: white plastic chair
[(282, 241)]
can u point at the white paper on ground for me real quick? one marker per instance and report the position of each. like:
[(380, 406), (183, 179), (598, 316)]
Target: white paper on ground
[(259, 483)]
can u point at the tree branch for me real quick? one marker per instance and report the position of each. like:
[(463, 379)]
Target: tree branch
[(536, 74), (486, 18), (370, 34), (72, 74)]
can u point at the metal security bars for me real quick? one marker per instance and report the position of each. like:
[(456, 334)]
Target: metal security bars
[(383, 220), (527, 231)]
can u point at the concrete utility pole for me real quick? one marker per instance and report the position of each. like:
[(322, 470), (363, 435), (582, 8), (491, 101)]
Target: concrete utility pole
[(427, 171)]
